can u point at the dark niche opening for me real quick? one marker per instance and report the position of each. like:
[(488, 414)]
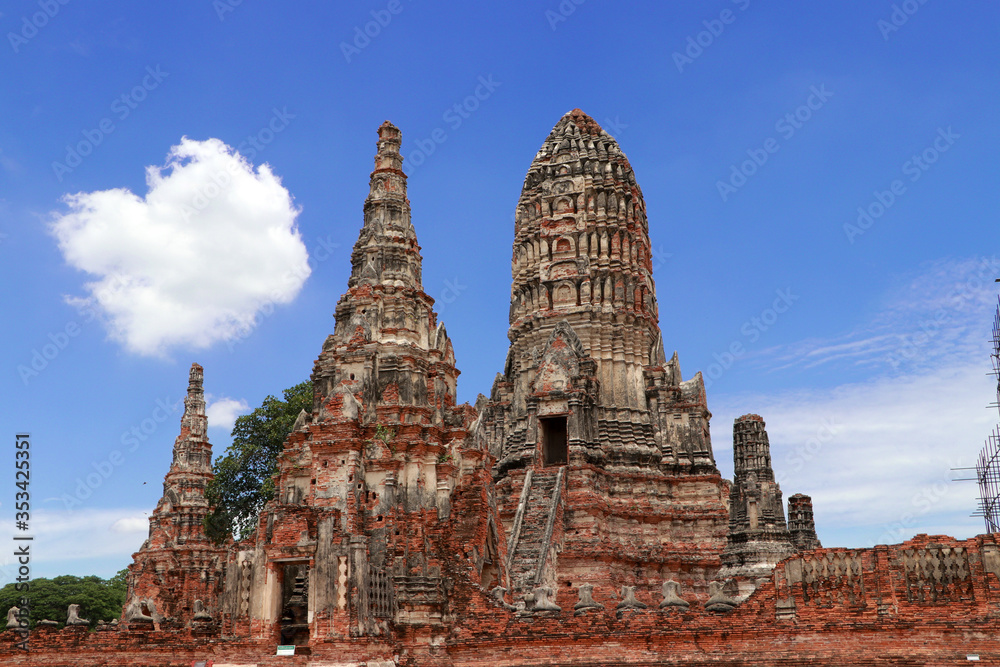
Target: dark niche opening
[(294, 624), (554, 446)]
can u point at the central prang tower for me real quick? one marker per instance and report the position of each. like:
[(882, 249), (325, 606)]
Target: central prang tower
[(601, 447)]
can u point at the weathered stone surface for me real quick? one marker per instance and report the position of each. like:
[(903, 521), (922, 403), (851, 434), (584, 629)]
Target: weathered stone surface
[(801, 525), (178, 564), (587, 390), (406, 528), (73, 616), (758, 537)]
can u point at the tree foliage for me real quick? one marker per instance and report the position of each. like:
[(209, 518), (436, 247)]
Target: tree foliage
[(99, 599), (243, 483)]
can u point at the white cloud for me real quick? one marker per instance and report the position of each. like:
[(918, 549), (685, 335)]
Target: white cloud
[(211, 247), (222, 413), (876, 455)]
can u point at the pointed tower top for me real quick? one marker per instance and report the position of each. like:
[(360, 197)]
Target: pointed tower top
[(386, 252), (194, 422), (583, 122), (387, 157)]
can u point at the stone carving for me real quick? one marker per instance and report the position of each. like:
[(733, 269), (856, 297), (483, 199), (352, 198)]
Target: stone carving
[(73, 616), (672, 598), (586, 601), (936, 575), (718, 601), (538, 600), (12, 618), (47, 623), (139, 611), (628, 599), (498, 593), (200, 615)]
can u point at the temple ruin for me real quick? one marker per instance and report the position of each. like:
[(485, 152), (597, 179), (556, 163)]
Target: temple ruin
[(575, 516)]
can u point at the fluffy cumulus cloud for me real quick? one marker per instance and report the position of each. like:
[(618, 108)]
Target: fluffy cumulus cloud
[(222, 412), (210, 249), (877, 454)]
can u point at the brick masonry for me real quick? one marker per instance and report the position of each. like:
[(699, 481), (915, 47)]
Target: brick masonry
[(573, 517)]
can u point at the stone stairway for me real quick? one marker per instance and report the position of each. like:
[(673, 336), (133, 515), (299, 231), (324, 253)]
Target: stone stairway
[(533, 527)]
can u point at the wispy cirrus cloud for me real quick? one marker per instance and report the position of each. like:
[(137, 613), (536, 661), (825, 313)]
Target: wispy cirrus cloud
[(877, 454)]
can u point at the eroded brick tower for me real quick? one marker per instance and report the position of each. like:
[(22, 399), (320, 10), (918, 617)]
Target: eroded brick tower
[(178, 564), (381, 511), (605, 468), (758, 536)]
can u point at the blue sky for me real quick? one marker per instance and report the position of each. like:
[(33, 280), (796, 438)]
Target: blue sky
[(820, 181)]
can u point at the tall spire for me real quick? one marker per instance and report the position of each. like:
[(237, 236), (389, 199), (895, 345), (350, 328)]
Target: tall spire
[(178, 564), (384, 304), (183, 506), (386, 252)]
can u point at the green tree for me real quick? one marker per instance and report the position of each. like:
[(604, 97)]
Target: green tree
[(243, 483), (99, 599)]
